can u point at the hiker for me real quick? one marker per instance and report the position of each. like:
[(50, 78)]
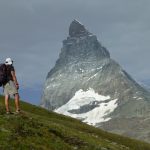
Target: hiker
[(11, 86)]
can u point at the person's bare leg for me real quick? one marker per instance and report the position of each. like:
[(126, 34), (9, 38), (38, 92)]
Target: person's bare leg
[(17, 102), (7, 103)]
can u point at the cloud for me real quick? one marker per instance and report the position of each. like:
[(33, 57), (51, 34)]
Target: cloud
[(32, 31)]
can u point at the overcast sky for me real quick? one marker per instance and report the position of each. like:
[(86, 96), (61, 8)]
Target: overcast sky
[(31, 32)]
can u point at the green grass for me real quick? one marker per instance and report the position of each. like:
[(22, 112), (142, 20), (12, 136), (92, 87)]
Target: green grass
[(38, 129)]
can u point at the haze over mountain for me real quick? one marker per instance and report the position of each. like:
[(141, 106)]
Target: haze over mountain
[(87, 84)]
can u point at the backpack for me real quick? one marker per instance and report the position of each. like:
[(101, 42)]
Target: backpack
[(3, 74)]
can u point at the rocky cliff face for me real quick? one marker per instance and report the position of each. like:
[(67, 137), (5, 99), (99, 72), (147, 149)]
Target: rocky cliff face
[(87, 84)]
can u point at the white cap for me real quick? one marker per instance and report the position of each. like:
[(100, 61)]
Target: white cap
[(8, 61)]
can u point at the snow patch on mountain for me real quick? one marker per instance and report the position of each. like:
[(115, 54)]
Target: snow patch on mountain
[(93, 76), (103, 106)]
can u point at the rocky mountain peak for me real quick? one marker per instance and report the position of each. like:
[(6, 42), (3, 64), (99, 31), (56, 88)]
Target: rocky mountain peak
[(87, 84), (77, 29), (81, 45)]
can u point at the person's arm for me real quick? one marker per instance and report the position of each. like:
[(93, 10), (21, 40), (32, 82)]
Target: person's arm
[(15, 78)]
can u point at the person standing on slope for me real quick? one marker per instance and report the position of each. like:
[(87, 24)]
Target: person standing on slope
[(11, 86)]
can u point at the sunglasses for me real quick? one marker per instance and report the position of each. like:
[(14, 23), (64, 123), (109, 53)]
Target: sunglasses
[(8, 62)]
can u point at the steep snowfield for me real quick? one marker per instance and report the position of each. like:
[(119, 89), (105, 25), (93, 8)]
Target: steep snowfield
[(103, 106)]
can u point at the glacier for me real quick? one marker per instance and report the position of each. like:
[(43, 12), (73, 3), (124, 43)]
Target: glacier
[(104, 106)]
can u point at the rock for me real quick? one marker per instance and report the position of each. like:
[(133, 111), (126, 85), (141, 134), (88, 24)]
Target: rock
[(76, 29)]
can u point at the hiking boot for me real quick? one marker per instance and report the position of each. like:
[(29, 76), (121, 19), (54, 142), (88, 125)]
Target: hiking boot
[(8, 112), (17, 111)]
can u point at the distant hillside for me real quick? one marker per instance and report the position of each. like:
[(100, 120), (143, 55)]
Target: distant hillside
[(146, 84), (38, 129)]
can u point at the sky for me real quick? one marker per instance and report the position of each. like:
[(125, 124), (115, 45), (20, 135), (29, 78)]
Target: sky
[(32, 31)]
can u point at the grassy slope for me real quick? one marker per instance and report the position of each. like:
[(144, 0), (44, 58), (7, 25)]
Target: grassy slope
[(38, 129)]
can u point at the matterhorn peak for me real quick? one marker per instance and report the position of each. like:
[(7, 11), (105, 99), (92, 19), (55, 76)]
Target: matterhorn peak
[(87, 84), (77, 29)]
